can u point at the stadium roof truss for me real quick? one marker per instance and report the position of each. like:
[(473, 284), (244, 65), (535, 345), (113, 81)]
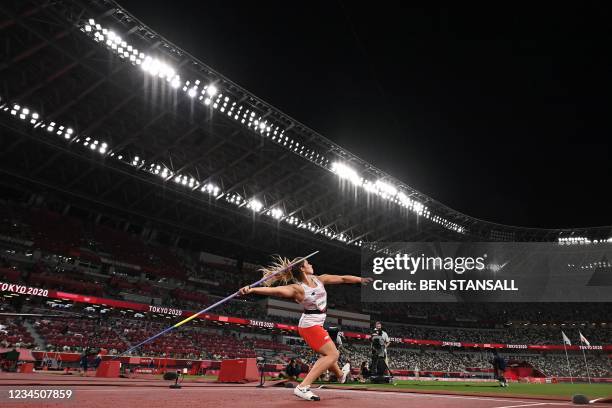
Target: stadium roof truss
[(96, 105)]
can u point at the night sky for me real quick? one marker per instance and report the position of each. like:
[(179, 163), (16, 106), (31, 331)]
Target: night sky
[(500, 113)]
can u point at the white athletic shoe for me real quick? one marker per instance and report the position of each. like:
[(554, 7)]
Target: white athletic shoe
[(346, 370), (305, 393)]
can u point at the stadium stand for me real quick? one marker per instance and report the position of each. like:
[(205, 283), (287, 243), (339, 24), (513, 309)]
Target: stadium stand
[(14, 334), (42, 248)]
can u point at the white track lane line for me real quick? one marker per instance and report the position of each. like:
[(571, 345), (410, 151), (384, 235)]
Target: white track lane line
[(530, 405), (389, 394), (414, 394)]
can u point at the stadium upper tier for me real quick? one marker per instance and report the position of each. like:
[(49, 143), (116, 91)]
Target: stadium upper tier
[(99, 107)]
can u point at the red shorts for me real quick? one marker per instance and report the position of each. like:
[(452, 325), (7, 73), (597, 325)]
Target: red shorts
[(314, 336)]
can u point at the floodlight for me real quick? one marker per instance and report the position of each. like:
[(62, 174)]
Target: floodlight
[(386, 188), (418, 207), (345, 172), (276, 213), (255, 205), (211, 90)]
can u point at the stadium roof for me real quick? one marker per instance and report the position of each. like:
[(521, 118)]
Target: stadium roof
[(99, 107)]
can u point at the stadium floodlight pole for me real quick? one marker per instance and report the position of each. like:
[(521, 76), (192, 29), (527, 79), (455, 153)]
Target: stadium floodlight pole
[(233, 295)]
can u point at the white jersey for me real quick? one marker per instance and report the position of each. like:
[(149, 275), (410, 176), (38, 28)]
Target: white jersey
[(314, 299)]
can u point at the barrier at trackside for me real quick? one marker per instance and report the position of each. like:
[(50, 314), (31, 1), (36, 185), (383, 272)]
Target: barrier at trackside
[(109, 369), (159, 365), (238, 370)]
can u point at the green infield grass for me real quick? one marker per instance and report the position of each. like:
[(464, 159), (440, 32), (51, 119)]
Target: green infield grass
[(514, 389)]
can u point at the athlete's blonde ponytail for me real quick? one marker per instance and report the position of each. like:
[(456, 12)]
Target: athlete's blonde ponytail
[(287, 276)]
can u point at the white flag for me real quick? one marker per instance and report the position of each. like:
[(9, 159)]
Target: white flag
[(583, 339), (566, 340)]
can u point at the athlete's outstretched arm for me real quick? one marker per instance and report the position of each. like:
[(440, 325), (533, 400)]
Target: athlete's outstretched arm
[(287, 291), (338, 279)]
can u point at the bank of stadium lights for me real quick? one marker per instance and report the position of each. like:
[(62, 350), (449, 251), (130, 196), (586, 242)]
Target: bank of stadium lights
[(582, 241), (234, 198), (379, 187), (574, 240), (347, 173), (255, 205), (385, 189), (309, 226), (292, 220), (33, 118), (341, 237), (275, 213), (123, 50), (391, 193), (326, 232), (596, 265), (95, 145), (24, 114), (155, 168), (209, 95), (211, 189), (158, 68), (186, 181)]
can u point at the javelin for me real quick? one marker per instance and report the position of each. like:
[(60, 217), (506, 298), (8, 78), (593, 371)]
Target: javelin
[(233, 295)]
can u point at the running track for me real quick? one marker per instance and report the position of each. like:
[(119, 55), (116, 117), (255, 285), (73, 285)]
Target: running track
[(124, 393)]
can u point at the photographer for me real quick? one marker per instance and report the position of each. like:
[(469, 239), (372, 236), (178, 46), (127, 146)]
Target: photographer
[(384, 334), (292, 370), (337, 336), (499, 366), (364, 372), (380, 342)]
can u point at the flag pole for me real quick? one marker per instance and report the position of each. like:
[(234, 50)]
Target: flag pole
[(565, 341), (585, 364), (569, 369), (583, 340)]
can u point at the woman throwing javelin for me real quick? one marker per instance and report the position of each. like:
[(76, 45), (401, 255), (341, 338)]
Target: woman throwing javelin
[(300, 284)]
